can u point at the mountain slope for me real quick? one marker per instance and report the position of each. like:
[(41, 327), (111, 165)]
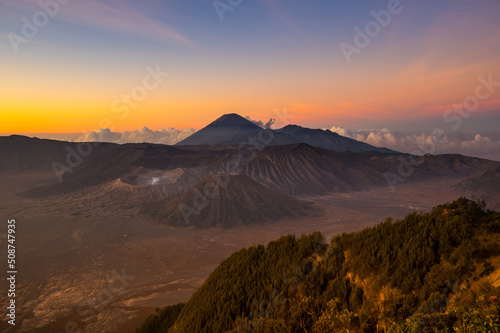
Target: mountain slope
[(486, 185), (426, 272), (488, 180), (227, 201), (302, 169)]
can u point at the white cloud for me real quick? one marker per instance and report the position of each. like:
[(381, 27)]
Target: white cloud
[(260, 123), (102, 135), (115, 15), (459, 143), (169, 136)]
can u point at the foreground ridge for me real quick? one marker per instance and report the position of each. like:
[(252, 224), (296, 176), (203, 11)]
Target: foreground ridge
[(433, 271)]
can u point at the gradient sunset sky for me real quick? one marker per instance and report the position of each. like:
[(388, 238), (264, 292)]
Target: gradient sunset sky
[(265, 59)]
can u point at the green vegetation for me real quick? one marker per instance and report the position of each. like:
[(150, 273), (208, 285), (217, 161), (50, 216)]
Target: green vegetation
[(162, 320), (433, 272)]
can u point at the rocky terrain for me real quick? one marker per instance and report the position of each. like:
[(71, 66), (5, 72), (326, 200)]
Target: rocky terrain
[(121, 211)]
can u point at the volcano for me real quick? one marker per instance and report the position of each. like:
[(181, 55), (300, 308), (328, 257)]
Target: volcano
[(228, 201), (233, 129), (230, 129)]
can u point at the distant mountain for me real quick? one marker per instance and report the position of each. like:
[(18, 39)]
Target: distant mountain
[(323, 139), (232, 129), (227, 201), (20, 152)]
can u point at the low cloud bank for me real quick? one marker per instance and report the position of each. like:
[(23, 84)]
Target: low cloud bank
[(167, 136), (452, 143), (458, 143)]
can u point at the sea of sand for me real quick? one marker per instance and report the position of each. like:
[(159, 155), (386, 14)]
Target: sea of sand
[(98, 266)]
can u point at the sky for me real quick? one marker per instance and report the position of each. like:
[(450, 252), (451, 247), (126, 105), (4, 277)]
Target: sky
[(165, 67)]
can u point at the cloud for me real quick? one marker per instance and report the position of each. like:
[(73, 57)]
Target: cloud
[(260, 123), (101, 135), (114, 15), (169, 136), (123, 18), (450, 143)]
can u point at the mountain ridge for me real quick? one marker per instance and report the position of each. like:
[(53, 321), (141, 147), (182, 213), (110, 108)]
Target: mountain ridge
[(292, 169)]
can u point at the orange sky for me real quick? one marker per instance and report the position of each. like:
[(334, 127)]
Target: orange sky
[(75, 81)]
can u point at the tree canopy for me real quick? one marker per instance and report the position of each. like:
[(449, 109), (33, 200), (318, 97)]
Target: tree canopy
[(425, 272)]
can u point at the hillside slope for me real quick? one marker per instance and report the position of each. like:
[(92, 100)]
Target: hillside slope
[(227, 201), (303, 169), (486, 185), (426, 272)]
